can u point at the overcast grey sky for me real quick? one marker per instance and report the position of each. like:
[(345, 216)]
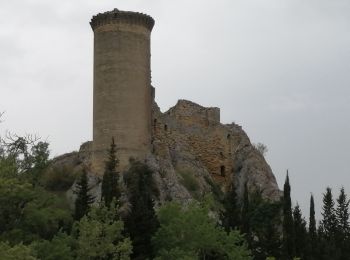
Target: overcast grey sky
[(279, 68)]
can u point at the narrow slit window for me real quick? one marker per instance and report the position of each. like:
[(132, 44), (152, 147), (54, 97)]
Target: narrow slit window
[(222, 171)]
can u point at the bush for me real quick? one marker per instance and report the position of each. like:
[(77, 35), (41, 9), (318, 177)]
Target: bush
[(189, 181), (59, 178)]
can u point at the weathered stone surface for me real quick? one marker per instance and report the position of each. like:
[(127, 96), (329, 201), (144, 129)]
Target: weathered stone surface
[(122, 85), (190, 150)]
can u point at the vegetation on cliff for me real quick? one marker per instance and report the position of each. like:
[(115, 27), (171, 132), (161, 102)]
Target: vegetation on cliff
[(36, 221)]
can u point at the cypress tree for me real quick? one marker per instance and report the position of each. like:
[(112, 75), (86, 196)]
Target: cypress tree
[(110, 189), (84, 199), (141, 222), (245, 229), (288, 248), (312, 220), (312, 230), (231, 216), (300, 233)]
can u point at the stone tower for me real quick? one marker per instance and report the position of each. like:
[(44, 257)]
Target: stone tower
[(122, 96)]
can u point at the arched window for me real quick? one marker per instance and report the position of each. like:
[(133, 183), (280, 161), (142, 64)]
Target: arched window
[(165, 127)]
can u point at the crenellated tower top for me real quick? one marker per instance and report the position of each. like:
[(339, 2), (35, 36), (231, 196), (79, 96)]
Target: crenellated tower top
[(116, 16)]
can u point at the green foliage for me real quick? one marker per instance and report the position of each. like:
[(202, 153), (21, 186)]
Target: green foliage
[(288, 247), (245, 214), (301, 240), (231, 217), (312, 235), (29, 213), (84, 199), (100, 235), (58, 178), (17, 252), (264, 221), (110, 187), (23, 156), (141, 222), (329, 221), (59, 248), (14, 196), (342, 214), (189, 233), (190, 182)]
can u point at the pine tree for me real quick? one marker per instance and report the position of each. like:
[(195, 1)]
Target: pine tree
[(300, 233), (329, 227), (84, 199), (329, 221), (288, 248), (110, 188), (141, 222), (342, 214)]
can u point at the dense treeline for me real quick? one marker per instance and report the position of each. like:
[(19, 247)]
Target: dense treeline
[(36, 221), (276, 230)]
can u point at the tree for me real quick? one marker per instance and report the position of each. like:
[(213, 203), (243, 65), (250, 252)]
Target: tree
[(328, 228), (329, 221), (231, 215), (288, 248), (264, 224), (342, 214), (312, 230), (110, 188), (16, 252), (141, 222), (300, 233), (262, 148), (245, 228), (60, 247), (188, 232), (99, 235), (84, 199)]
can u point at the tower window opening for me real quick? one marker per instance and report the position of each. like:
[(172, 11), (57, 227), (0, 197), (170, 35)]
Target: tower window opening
[(222, 171), (165, 127), (155, 124), (228, 136)]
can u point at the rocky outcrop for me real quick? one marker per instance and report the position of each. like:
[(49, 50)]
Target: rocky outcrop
[(192, 154), (190, 136)]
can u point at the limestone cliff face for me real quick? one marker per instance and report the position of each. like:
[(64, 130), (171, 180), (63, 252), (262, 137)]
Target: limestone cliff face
[(193, 153)]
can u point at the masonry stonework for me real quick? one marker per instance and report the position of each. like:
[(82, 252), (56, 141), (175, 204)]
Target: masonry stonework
[(187, 140), (122, 86)]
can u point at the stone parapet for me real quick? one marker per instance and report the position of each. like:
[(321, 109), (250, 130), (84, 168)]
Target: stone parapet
[(116, 16)]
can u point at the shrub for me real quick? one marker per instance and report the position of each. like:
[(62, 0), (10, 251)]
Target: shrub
[(59, 178)]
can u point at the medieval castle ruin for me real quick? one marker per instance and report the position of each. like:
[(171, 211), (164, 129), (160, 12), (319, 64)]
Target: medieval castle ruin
[(187, 141)]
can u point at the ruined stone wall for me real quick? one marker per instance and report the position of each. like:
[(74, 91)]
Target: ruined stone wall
[(122, 86), (189, 130), (198, 131)]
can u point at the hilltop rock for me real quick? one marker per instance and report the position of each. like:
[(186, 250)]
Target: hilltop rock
[(192, 154)]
